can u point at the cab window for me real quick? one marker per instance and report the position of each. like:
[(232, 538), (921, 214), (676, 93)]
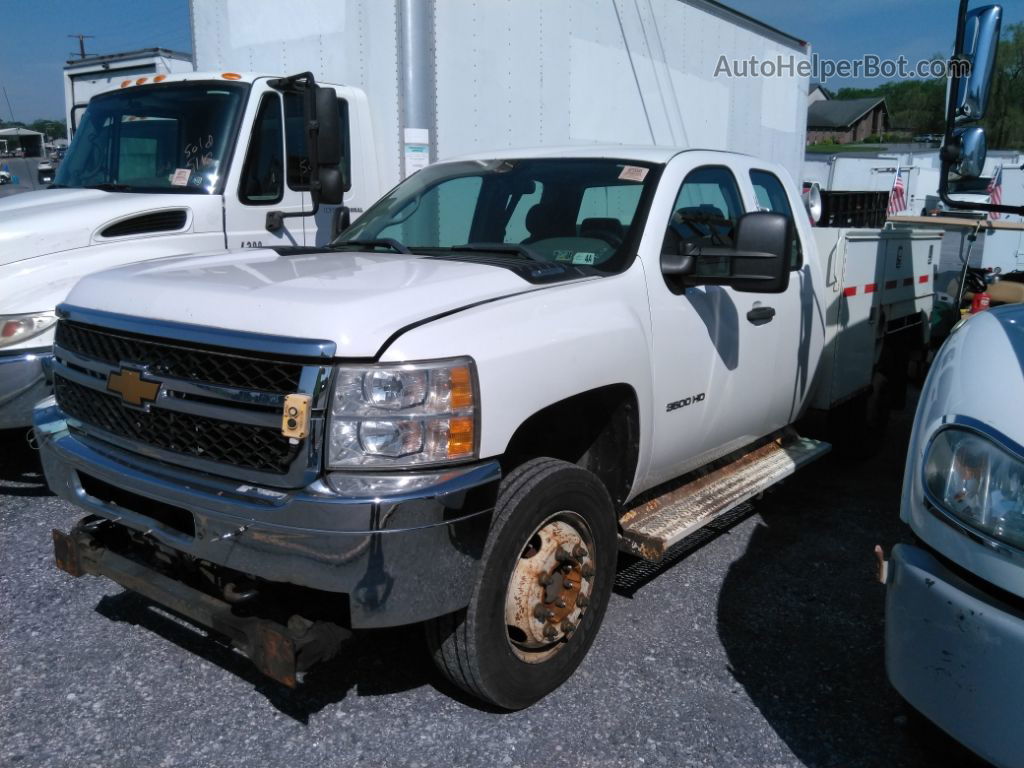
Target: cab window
[(263, 172), (706, 210), (771, 196)]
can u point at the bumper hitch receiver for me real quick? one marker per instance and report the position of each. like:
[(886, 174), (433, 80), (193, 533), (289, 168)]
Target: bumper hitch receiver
[(279, 651)]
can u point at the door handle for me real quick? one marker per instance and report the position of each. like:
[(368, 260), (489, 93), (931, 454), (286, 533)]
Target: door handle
[(761, 315)]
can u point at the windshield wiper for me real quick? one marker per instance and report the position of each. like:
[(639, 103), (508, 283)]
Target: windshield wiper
[(380, 242), (108, 186), (515, 249)]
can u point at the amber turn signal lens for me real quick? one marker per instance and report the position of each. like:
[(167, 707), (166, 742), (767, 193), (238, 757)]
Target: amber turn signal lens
[(462, 388), (460, 438)]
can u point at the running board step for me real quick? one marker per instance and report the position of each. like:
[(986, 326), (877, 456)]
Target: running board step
[(648, 530)]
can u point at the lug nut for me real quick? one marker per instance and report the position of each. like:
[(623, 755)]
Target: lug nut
[(559, 603), (582, 601), (567, 626), (545, 579), (541, 613), (587, 572), (579, 551), (562, 556), (550, 632), (568, 583)]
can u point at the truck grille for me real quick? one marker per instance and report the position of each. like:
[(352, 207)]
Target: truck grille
[(240, 445), (178, 361), (213, 405)]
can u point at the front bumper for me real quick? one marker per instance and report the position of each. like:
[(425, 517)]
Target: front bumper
[(954, 653), (404, 548), (24, 381)]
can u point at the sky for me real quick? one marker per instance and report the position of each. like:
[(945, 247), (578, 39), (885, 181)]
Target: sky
[(34, 43)]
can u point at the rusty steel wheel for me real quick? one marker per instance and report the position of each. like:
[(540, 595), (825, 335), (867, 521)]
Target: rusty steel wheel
[(545, 578), (550, 587)]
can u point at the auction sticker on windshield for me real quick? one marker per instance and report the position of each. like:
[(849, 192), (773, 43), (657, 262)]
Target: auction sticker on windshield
[(180, 177), (633, 173)]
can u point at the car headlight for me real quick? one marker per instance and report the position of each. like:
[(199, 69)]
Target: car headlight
[(18, 328), (395, 415), (978, 481)]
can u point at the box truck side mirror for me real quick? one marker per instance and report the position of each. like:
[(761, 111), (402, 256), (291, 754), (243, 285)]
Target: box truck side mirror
[(324, 126), (981, 39)]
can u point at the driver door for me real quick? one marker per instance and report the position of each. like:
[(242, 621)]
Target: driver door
[(260, 183), (715, 366)]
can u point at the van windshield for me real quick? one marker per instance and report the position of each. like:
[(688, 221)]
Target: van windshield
[(174, 137), (578, 211)]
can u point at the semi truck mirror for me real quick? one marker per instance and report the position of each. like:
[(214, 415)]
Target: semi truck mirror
[(329, 134), (981, 39), (969, 148), (332, 186)]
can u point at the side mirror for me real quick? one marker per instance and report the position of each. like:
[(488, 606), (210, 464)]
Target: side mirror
[(764, 242), (758, 263), (325, 140), (981, 38), (968, 151)]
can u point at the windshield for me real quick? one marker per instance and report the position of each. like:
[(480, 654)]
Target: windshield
[(163, 138), (579, 212)]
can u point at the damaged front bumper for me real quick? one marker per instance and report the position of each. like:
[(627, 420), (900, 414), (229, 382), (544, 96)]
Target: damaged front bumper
[(24, 380), (403, 548)]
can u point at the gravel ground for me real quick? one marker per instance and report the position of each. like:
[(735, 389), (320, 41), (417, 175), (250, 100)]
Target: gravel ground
[(761, 647)]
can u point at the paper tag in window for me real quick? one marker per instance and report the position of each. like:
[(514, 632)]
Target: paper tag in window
[(633, 173), (562, 255), (180, 177), (584, 258)]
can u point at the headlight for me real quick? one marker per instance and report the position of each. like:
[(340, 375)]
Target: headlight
[(403, 415), (18, 328), (977, 481)]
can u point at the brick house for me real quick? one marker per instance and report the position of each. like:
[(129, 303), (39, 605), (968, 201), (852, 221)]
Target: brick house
[(846, 121)]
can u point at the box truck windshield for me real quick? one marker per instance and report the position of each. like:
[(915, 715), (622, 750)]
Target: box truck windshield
[(174, 137)]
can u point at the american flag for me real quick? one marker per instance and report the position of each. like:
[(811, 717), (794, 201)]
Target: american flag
[(995, 192), (898, 196)]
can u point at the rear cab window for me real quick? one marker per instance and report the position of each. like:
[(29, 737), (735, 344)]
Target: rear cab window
[(771, 196)]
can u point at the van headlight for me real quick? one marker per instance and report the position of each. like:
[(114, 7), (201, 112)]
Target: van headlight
[(408, 414), (17, 328), (977, 481)]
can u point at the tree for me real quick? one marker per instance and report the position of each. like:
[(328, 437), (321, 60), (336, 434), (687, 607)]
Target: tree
[(53, 129), (919, 106)]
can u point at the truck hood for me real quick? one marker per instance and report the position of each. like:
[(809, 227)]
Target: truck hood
[(356, 299), (52, 220)]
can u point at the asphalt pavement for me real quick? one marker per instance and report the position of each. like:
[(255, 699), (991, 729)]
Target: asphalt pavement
[(760, 644), (26, 171)]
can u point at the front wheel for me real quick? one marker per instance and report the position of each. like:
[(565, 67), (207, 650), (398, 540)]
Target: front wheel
[(546, 576)]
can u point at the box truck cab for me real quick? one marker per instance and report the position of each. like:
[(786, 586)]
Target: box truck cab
[(188, 163)]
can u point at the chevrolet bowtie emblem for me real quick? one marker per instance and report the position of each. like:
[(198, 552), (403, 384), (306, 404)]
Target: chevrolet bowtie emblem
[(132, 388)]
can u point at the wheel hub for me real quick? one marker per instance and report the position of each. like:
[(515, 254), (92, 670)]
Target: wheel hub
[(550, 586)]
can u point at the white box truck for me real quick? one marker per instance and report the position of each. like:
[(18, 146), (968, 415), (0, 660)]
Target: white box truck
[(187, 162), (92, 75)]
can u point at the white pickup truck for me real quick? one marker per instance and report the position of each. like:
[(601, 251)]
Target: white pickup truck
[(506, 369)]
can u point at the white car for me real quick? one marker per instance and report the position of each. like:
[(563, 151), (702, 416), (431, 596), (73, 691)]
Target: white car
[(954, 623), (5, 177)]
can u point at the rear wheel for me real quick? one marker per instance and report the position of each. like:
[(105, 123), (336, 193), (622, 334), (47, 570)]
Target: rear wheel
[(545, 580)]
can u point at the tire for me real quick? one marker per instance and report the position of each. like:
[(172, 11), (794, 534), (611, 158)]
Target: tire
[(541, 506)]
